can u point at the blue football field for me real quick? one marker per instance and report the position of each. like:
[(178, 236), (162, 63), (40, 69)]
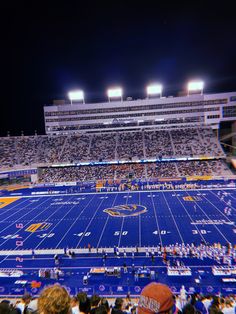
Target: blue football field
[(118, 219)]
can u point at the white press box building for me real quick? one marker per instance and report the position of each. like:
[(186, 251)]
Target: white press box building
[(192, 110)]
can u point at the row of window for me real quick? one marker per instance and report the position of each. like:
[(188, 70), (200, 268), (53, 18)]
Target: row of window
[(104, 126), (214, 116), (229, 112), (136, 108), (125, 117)]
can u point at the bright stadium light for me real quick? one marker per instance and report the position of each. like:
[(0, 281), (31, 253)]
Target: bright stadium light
[(76, 95), (154, 89), (195, 86), (114, 93)]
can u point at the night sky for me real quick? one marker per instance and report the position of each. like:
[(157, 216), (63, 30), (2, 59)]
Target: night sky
[(50, 49)]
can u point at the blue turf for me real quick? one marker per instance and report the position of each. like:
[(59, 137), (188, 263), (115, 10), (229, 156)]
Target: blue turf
[(77, 220)]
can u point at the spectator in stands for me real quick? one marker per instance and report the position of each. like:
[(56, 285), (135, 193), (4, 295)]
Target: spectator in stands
[(104, 307), (74, 305), (81, 296), (95, 300), (84, 303), (176, 307), (189, 309), (228, 308), (25, 300), (33, 306), (206, 300), (5, 307), (101, 309), (119, 306), (196, 301), (155, 298), (54, 300), (128, 298), (215, 306)]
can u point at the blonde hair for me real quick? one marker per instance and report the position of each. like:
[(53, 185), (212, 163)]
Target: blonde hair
[(54, 300)]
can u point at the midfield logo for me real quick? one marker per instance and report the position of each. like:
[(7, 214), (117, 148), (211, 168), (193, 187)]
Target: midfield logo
[(126, 210)]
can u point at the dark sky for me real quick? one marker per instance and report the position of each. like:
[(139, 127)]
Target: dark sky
[(52, 48)]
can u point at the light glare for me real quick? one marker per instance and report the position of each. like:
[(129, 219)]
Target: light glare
[(154, 89), (196, 85), (114, 92), (76, 95)]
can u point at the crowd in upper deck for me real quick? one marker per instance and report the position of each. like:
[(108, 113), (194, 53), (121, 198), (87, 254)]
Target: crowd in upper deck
[(133, 145)]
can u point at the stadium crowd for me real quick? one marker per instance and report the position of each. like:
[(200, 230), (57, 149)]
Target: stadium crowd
[(158, 144), (44, 149), (154, 298), (146, 171)]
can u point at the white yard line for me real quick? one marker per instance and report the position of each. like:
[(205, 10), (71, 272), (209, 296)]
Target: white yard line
[(104, 227), (174, 219), (16, 212), (139, 221), (224, 202), (74, 222), (211, 219), (20, 220), (158, 228), (4, 211), (61, 219), (90, 221), (123, 219), (199, 232)]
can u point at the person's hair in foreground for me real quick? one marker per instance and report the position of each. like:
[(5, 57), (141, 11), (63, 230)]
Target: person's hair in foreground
[(119, 303), (95, 299), (54, 300), (5, 308), (189, 309), (84, 303), (105, 305), (155, 298)]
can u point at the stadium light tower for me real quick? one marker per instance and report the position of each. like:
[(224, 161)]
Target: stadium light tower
[(116, 92), (154, 89), (195, 86), (76, 95)]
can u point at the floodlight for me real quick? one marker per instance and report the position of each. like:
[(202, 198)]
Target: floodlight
[(155, 89), (195, 86), (76, 95), (114, 93)]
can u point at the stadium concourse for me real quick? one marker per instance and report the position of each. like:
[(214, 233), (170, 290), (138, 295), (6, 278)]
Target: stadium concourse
[(108, 213)]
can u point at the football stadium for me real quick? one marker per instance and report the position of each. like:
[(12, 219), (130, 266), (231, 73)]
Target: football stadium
[(121, 193)]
